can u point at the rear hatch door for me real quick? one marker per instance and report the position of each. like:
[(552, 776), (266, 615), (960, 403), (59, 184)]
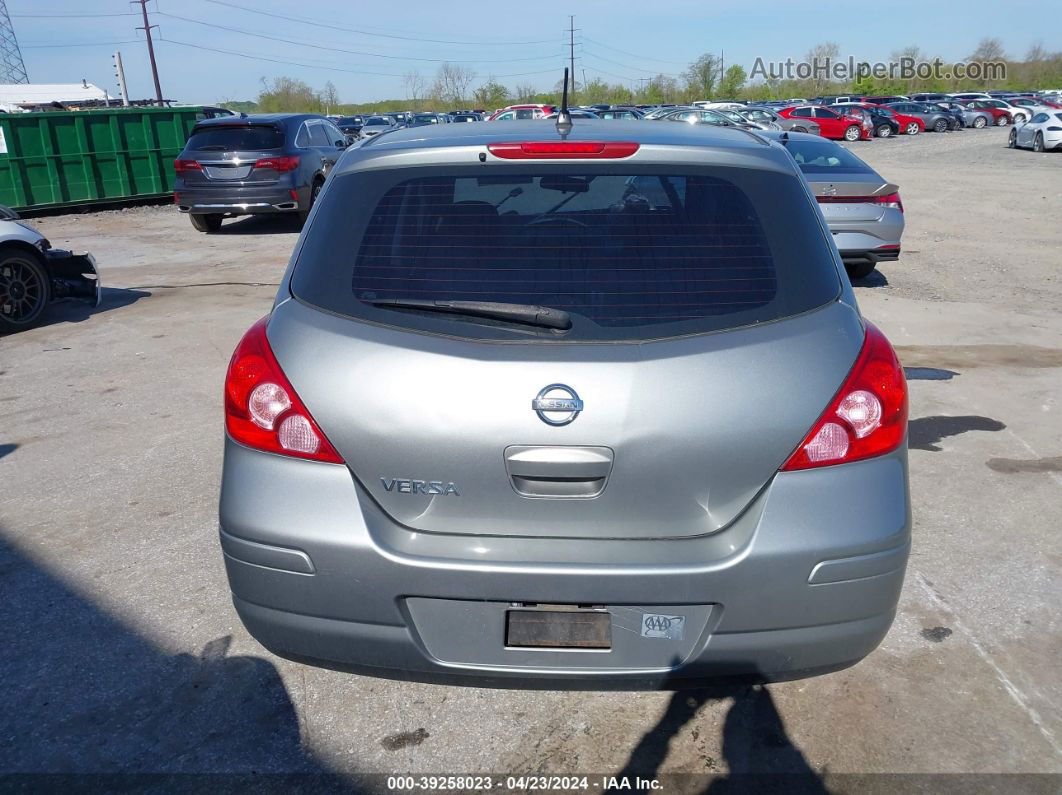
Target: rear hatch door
[(228, 153), (706, 340)]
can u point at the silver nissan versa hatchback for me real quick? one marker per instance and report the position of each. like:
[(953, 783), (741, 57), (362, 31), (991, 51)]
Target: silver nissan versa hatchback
[(566, 407)]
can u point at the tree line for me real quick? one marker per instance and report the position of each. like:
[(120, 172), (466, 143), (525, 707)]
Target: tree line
[(707, 77)]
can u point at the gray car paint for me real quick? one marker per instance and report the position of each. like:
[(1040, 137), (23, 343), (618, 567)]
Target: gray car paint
[(856, 228), (776, 574), (229, 183)]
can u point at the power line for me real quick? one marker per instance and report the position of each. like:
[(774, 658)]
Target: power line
[(72, 16), (317, 66), (642, 56), (593, 68), (333, 26), (319, 46), (275, 60), (618, 63), (81, 44)]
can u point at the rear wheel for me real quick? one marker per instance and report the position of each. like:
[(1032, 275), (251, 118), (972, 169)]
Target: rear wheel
[(1038, 142), (800, 129), (211, 222), (25, 289), (980, 122), (941, 125), (912, 128), (315, 189), (859, 270), (1019, 117), (884, 131), (1001, 121), (852, 133)]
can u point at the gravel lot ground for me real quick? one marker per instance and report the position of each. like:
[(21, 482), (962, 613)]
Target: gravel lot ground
[(123, 653)]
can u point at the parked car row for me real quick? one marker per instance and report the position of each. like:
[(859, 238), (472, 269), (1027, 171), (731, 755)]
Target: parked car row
[(373, 124), (241, 165)]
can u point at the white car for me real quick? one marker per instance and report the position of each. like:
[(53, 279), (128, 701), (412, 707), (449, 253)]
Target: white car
[(1027, 107), (971, 95), (33, 274), (707, 105), (1041, 133)]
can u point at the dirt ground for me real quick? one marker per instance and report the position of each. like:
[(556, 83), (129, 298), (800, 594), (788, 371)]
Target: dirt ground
[(123, 654)]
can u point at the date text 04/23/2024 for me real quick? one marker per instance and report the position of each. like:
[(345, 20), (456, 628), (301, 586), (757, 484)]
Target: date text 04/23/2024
[(523, 783)]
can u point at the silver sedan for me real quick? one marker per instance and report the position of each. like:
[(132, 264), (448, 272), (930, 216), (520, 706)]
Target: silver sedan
[(764, 115)]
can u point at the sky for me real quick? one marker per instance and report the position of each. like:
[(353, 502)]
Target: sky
[(207, 53)]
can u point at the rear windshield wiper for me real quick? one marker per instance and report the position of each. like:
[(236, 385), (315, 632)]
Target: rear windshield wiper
[(530, 314)]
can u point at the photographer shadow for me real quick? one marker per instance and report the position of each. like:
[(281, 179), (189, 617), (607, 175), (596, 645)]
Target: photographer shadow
[(94, 705), (759, 755)]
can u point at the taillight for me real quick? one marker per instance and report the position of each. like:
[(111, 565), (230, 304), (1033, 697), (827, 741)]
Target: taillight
[(547, 150), (263, 411), (286, 163), (868, 415), (180, 166), (891, 200), (888, 200)]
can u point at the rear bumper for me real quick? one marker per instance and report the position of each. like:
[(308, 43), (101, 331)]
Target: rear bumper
[(806, 580), (874, 255), (237, 200), (862, 241)]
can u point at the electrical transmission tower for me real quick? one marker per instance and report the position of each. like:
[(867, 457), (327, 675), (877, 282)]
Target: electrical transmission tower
[(12, 69)]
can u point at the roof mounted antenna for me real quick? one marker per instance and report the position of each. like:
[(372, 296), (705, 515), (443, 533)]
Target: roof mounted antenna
[(564, 117)]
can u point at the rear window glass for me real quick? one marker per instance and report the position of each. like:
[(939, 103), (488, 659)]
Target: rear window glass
[(236, 137), (632, 256), (824, 157)]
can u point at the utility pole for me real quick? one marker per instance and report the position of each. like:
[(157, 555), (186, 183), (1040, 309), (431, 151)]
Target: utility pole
[(151, 49), (119, 72), (571, 46)]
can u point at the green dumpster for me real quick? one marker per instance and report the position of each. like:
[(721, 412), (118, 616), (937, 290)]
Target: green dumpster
[(70, 158)]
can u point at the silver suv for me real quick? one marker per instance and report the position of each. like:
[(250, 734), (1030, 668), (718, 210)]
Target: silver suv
[(591, 407)]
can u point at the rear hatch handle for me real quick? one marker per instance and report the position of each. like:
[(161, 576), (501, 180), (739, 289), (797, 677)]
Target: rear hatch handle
[(558, 472)]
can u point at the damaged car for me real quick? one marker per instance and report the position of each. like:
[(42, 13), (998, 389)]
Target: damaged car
[(34, 275)]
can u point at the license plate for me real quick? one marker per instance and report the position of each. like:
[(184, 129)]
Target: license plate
[(558, 629)]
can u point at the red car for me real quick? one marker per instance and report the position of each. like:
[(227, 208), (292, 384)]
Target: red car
[(1000, 116), (911, 125), (831, 123)]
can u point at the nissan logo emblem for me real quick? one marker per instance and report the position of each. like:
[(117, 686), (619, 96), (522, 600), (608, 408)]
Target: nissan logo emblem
[(557, 404)]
